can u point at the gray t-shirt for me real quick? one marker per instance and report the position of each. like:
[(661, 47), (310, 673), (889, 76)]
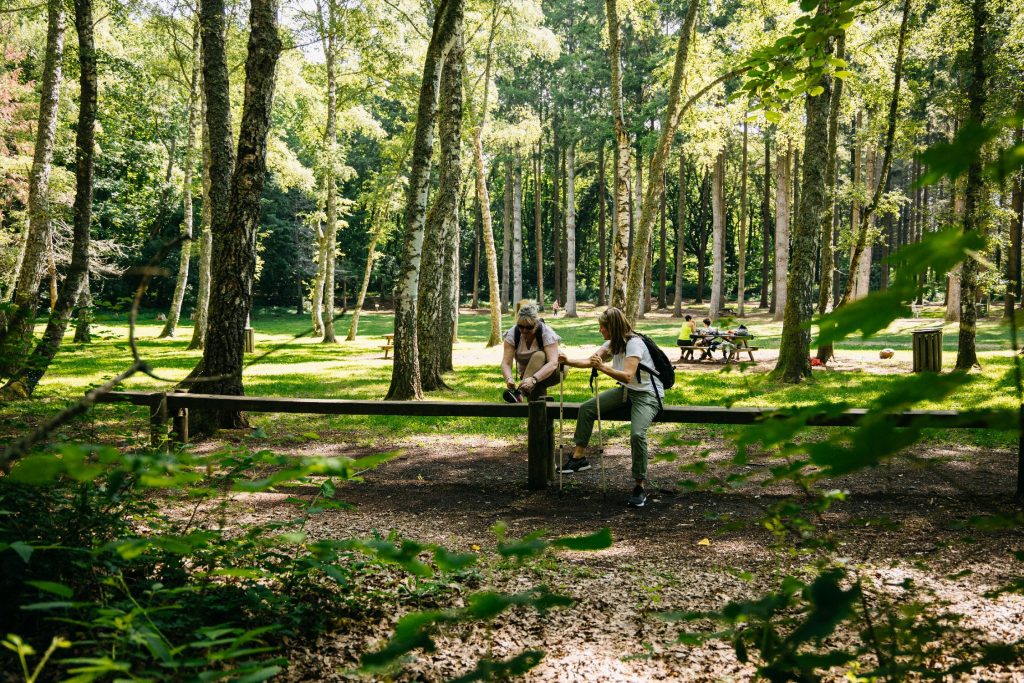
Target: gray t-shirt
[(524, 352), (635, 347)]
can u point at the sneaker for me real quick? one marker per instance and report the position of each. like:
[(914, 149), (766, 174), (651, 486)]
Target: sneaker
[(512, 396), (575, 465), (639, 497)]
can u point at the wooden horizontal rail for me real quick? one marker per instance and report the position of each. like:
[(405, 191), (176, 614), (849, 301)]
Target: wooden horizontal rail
[(541, 416)]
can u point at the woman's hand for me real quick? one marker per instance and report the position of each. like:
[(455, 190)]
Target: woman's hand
[(596, 361), (528, 384), (510, 384), (562, 358)]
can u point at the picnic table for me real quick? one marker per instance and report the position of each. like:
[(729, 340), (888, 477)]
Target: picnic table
[(706, 344), (389, 340)]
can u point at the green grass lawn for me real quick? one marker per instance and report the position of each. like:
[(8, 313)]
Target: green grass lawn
[(304, 367)]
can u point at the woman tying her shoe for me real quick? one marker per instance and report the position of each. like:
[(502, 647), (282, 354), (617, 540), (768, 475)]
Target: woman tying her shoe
[(534, 348), (637, 387)]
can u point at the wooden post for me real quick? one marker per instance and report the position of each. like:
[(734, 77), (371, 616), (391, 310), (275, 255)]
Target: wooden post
[(250, 340), (158, 421), (538, 446), (552, 456), (179, 428)]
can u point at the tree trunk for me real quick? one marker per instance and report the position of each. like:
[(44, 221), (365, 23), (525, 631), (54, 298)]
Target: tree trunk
[(435, 318), (602, 237), (974, 194), (506, 241), (16, 325), (371, 251), (517, 230), (741, 287), (538, 225), (766, 224), (794, 349), (199, 314), (677, 309), (862, 276), (478, 220), (656, 186), (173, 315), (702, 237), (827, 253), (405, 372), (620, 248), (1013, 256), (25, 380), (717, 235), (781, 233), (483, 198), (570, 232), (235, 221), (83, 310), (330, 247), (556, 225), (663, 266)]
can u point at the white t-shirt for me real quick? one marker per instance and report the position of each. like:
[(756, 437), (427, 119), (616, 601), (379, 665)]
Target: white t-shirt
[(523, 352), (635, 347)]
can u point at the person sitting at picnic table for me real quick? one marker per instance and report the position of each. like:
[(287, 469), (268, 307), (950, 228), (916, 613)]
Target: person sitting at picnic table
[(534, 348), (637, 388), (687, 338)]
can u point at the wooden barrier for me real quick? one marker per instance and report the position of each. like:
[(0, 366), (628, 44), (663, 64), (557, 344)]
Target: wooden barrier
[(540, 417)]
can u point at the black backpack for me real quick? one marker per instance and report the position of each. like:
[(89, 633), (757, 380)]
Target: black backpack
[(662, 369)]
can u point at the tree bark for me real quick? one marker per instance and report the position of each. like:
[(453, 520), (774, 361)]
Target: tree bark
[(235, 221), (478, 219), (199, 314), (602, 237), (517, 230), (677, 307), (435, 317), (83, 310), (662, 265), (781, 233), (570, 232), (506, 240), (25, 380), (16, 326), (620, 248), (794, 349), (556, 224), (717, 235), (173, 315), (1013, 255), (862, 277), (741, 286), (538, 225), (405, 373), (766, 224), (330, 248), (827, 252), (656, 185)]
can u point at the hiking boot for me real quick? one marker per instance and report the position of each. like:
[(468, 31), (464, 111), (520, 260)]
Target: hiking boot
[(573, 465), (512, 396), (639, 497)]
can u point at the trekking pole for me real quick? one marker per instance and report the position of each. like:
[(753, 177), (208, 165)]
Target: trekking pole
[(594, 386), (561, 423)]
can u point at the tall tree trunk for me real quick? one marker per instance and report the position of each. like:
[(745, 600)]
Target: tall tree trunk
[(478, 219), (1013, 256), (741, 285), (620, 248), (556, 225), (827, 253), (517, 230), (677, 310), (405, 372), (482, 196), (25, 380), (602, 237), (16, 325), (83, 310), (717, 235), (371, 252), (173, 315), (435, 318), (781, 233), (794, 349), (199, 314), (702, 237), (506, 240), (862, 277), (974, 194), (235, 221), (663, 266), (570, 232), (766, 224), (538, 225), (330, 247)]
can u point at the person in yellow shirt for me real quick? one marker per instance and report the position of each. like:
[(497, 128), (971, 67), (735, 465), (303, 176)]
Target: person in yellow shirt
[(687, 338)]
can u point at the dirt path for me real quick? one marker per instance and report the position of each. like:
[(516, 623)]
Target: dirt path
[(678, 554)]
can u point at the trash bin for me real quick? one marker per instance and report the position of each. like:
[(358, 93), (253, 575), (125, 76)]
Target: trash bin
[(927, 346)]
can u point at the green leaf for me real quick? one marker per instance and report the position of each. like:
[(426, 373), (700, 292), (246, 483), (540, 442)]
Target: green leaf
[(23, 549), (809, 5), (501, 670), (263, 674), (597, 541), (815, 91), (58, 589), (772, 116)]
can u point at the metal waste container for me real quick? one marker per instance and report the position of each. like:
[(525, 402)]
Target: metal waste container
[(927, 346)]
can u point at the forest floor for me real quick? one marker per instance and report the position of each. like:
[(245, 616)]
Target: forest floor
[(685, 551)]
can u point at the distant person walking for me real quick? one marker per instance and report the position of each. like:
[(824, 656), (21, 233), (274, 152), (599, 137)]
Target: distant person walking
[(637, 388)]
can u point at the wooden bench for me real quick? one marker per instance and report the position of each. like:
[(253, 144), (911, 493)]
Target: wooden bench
[(540, 416), (388, 344), (734, 354)]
